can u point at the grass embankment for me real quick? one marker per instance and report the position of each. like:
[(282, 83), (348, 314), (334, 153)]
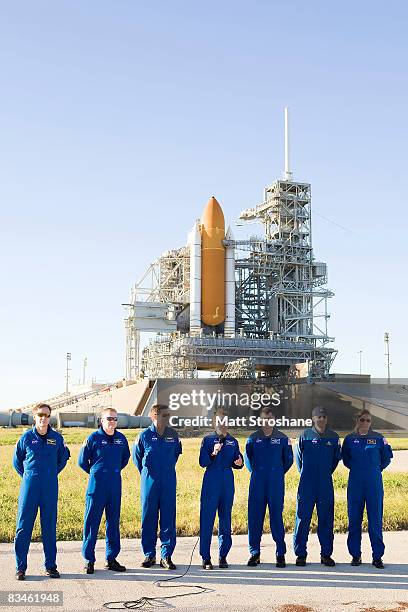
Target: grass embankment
[(73, 483)]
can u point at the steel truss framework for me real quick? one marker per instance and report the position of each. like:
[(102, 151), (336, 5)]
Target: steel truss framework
[(167, 281), (240, 368), (280, 287), (208, 352)]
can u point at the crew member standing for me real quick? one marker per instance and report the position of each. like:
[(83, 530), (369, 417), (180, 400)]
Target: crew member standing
[(218, 454), (103, 456), (39, 456), (317, 455), (366, 453), (155, 454), (268, 456)]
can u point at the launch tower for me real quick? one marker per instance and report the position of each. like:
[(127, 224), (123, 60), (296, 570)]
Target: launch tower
[(218, 300)]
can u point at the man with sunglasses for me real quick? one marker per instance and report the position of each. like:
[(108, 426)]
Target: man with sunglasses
[(317, 455), (155, 454), (366, 453), (39, 456), (103, 456)]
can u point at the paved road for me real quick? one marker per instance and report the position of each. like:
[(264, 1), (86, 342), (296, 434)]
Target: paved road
[(399, 462), (315, 587)]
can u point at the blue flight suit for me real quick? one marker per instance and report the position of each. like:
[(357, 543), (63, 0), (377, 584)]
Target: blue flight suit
[(365, 456), (155, 457), (103, 457), (217, 491), (317, 456), (39, 460), (268, 458)]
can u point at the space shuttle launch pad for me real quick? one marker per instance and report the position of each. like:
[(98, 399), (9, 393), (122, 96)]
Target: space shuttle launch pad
[(243, 308)]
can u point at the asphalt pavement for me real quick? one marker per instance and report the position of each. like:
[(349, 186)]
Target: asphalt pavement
[(293, 589)]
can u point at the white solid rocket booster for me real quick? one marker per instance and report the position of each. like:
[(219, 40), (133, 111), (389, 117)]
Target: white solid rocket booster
[(229, 326), (194, 240)]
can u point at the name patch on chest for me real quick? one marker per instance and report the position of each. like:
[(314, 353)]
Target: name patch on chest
[(51, 441), (168, 439), (275, 440), (372, 441)]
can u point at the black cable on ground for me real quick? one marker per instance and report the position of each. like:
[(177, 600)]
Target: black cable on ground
[(159, 602)]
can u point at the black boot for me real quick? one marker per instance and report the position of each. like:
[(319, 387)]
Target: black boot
[(327, 560), (355, 561), (20, 575), (115, 566), (254, 560), (148, 562), (167, 563)]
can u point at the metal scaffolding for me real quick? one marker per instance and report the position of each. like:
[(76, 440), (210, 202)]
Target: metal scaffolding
[(280, 287), (166, 357), (240, 368), (166, 281)]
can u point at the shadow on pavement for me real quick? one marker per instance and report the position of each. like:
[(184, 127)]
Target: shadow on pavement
[(394, 576)]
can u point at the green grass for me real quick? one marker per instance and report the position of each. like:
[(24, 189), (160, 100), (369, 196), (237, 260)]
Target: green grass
[(76, 435), (73, 483), (72, 435)]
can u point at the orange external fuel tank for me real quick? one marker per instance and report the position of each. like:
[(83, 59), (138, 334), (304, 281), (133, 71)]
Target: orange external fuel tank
[(212, 264)]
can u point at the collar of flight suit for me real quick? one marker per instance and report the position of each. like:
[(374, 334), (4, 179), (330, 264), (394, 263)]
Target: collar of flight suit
[(272, 435), (325, 434), (38, 435), (217, 435), (152, 427), (103, 432), (370, 432)]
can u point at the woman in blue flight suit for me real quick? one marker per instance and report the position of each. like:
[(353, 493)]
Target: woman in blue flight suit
[(218, 454), (366, 453), (40, 455), (155, 454), (268, 456)]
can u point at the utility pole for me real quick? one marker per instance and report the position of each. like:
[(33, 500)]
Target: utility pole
[(387, 354), (68, 369), (84, 370), (360, 353)]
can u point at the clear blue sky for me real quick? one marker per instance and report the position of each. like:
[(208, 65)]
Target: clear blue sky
[(118, 119)]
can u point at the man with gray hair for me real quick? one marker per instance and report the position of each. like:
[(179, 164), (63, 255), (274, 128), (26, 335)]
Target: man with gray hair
[(103, 456), (317, 456)]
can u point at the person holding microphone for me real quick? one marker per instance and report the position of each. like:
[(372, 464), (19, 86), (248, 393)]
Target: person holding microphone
[(219, 454)]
